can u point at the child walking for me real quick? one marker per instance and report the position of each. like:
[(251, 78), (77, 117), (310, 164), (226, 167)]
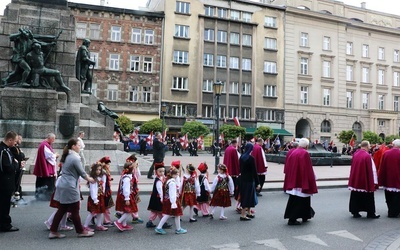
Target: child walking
[(205, 190), (95, 204), (171, 203), (222, 188), (125, 203), (108, 199), (190, 190)]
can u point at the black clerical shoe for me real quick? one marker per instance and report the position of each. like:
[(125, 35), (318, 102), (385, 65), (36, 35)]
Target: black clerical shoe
[(11, 229), (305, 220), (192, 220), (373, 216), (244, 218), (356, 215), (259, 194), (293, 223), (251, 216)]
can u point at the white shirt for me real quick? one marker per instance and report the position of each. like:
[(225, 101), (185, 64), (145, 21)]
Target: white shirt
[(81, 142)]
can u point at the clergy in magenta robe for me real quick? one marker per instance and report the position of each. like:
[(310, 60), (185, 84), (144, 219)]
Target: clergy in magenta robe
[(231, 161), (261, 163)]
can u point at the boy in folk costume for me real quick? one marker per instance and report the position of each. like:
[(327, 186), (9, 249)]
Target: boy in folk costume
[(95, 204), (222, 188), (205, 190), (125, 202), (108, 200), (190, 190)]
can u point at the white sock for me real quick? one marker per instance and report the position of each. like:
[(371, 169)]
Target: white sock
[(51, 218), (178, 222), (88, 219), (99, 220), (222, 211), (63, 222), (191, 212), (123, 218), (162, 221)]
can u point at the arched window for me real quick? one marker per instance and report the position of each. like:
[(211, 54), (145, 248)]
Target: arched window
[(325, 126)]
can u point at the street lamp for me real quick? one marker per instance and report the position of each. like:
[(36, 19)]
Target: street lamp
[(217, 88), (163, 110)]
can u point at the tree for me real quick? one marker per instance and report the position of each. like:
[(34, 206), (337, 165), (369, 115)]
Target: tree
[(264, 132), (154, 125), (345, 136), (372, 137), (390, 138), (125, 124), (232, 131), (195, 129)]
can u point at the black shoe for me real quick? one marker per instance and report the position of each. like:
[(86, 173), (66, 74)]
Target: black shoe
[(192, 220), (258, 194), (293, 223), (11, 229), (373, 216), (357, 215), (206, 215), (305, 220), (251, 216), (196, 211), (150, 177), (150, 224), (69, 219), (166, 226), (393, 216), (244, 218), (211, 216)]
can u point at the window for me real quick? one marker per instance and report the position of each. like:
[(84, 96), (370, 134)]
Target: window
[(381, 53), (112, 92), (134, 94), (221, 61), (381, 102), (135, 63), (146, 94), (209, 11), (270, 43), (349, 99), (208, 35), (365, 75), (222, 13), (180, 83), (181, 31), (396, 103), (381, 77), (326, 69), (270, 21), (235, 15), (325, 127), (178, 110), (270, 115), (303, 39), (181, 56), (234, 88), (246, 64), (396, 79), (149, 36), (304, 95), (80, 30), (234, 62), (246, 40), (327, 97), (349, 73), (396, 56), (246, 17), (95, 57), (94, 31), (270, 90), (381, 123), (304, 66), (246, 113), (246, 88), (222, 36), (208, 60), (327, 43), (136, 35), (208, 111), (115, 33), (182, 7), (114, 62), (207, 86), (349, 48), (147, 64), (270, 67), (233, 112), (365, 50), (365, 101), (235, 38)]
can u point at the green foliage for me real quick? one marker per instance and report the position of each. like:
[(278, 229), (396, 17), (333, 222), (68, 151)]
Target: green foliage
[(195, 129), (154, 125), (264, 132), (345, 136), (232, 131), (372, 137), (125, 124), (390, 138)]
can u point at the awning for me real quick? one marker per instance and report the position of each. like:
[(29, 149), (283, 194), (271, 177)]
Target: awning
[(140, 117), (282, 132)]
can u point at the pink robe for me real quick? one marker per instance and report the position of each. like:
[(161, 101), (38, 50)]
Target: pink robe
[(231, 160), (361, 172), (43, 168)]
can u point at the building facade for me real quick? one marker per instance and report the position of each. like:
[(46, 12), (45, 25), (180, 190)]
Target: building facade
[(127, 47)]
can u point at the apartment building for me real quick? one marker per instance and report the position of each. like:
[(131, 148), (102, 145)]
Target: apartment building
[(239, 43), (127, 47)]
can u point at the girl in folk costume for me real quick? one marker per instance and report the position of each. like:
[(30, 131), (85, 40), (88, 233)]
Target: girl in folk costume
[(135, 181), (171, 203), (125, 198), (156, 197), (108, 200), (190, 190), (222, 188), (205, 190), (95, 204), (177, 164)]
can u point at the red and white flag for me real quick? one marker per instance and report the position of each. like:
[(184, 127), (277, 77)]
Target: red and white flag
[(135, 136), (200, 142), (352, 141), (149, 139), (221, 139), (184, 141), (236, 121)]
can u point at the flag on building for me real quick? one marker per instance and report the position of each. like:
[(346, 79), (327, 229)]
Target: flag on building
[(184, 141), (149, 139), (236, 121)]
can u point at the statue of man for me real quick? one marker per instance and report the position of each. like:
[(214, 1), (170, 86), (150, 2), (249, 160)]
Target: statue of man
[(36, 61), (82, 64)]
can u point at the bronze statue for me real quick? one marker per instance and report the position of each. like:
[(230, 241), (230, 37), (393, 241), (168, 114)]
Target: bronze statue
[(82, 67), (106, 111)]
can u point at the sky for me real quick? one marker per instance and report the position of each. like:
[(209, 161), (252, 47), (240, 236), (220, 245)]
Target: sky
[(388, 6)]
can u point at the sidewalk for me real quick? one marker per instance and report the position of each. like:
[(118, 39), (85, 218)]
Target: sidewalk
[(327, 177)]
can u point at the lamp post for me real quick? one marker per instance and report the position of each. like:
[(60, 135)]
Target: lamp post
[(163, 110), (217, 88)]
